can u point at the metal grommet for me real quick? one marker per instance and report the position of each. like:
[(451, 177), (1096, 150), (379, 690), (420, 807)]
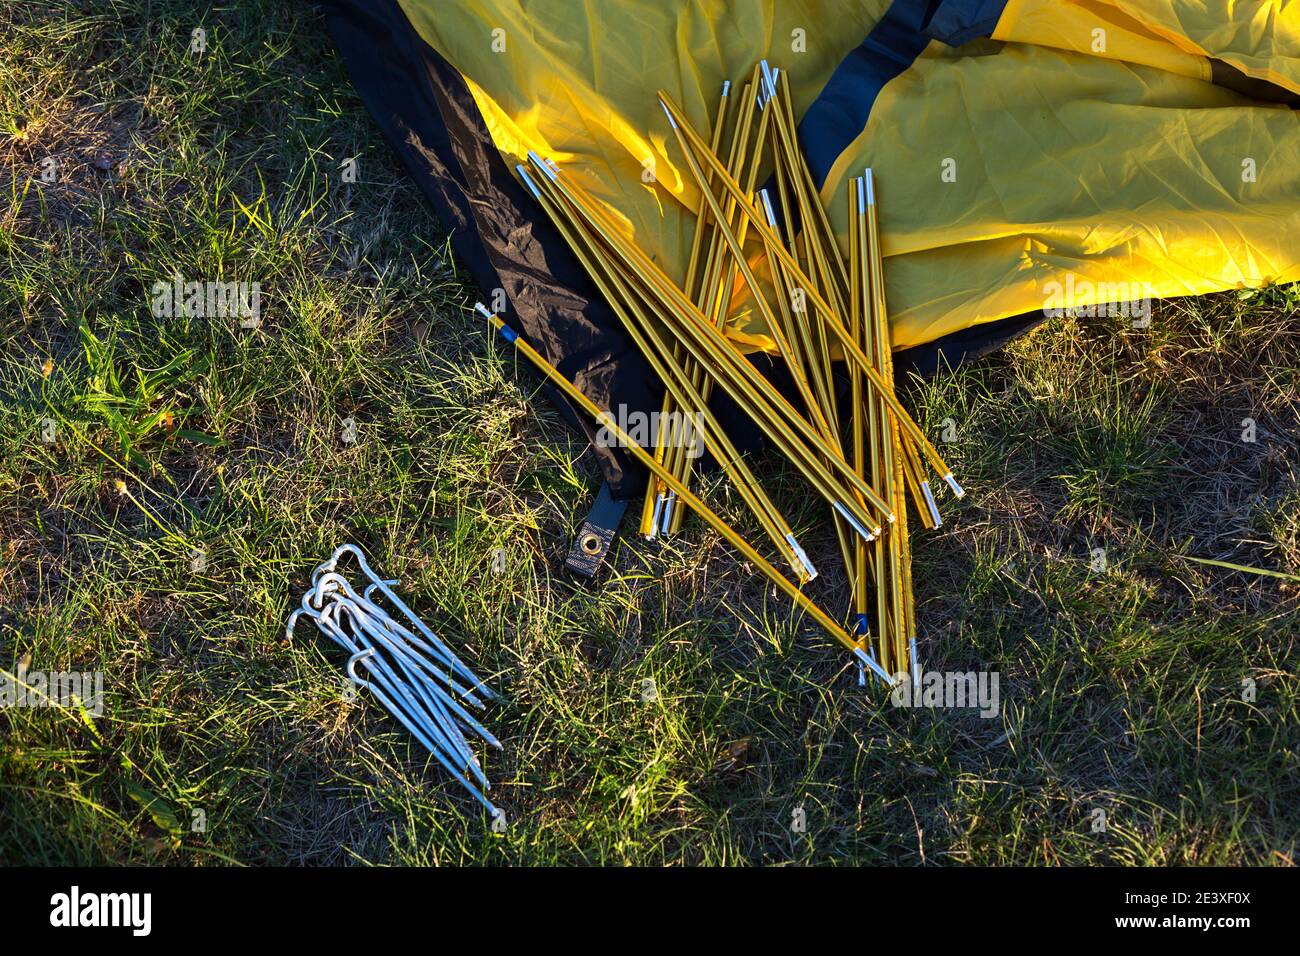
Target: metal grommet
[(591, 544)]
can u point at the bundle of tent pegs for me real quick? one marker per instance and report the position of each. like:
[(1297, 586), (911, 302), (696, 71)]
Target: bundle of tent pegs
[(417, 677), (819, 305)]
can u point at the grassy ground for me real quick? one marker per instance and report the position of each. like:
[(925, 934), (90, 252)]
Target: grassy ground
[(1121, 670)]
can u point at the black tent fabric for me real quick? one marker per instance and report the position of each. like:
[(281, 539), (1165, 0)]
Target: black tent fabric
[(428, 116)]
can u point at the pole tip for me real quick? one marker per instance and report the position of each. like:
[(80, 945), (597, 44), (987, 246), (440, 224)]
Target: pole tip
[(870, 180), (876, 669), (808, 571), (546, 166), (930, 504), (528, 181)]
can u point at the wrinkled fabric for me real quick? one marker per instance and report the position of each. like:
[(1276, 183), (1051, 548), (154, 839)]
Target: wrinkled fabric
[(1024, 160)]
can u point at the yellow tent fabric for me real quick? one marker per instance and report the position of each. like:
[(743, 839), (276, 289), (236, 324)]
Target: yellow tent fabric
[(1041, 164), (1261, 38)]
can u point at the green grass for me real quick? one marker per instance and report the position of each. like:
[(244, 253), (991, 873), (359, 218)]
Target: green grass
[(1121, 681)]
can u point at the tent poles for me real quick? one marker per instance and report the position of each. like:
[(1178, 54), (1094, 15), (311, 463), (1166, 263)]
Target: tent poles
[(683, 493), (715, 302), (643, 334), (856, 568), (769, 317), (794, 180), (654, 499), (900, 576), (691, 144), (683, 333), (769, 409)]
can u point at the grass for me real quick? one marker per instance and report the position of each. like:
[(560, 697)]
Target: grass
[(200, 470)]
